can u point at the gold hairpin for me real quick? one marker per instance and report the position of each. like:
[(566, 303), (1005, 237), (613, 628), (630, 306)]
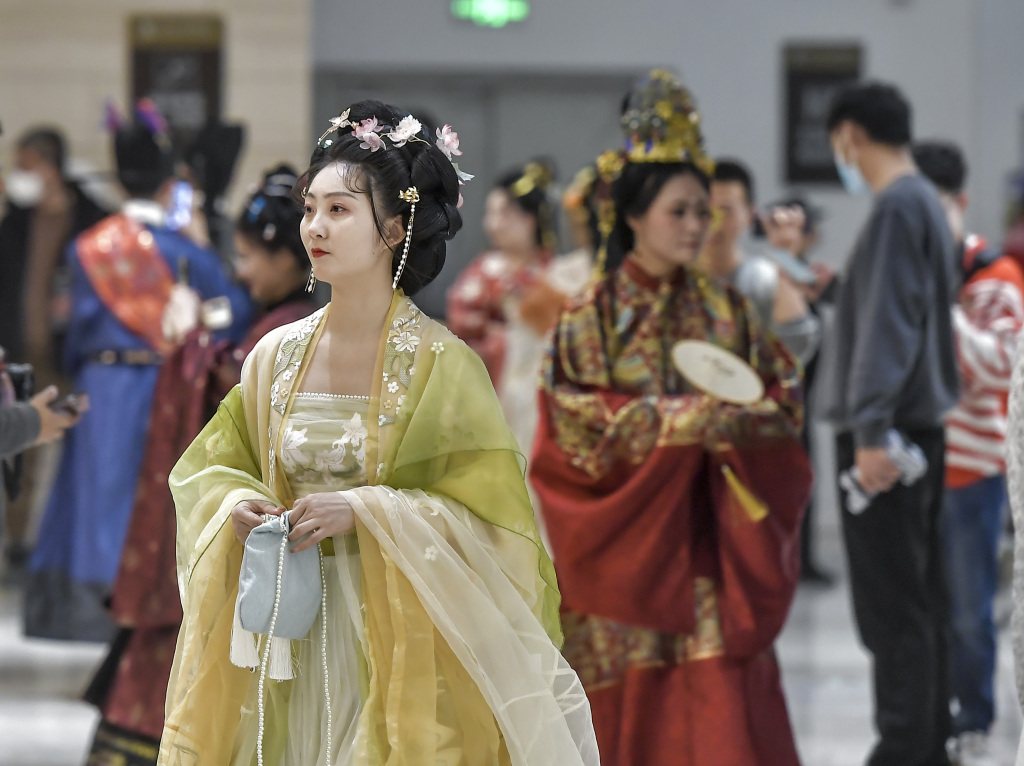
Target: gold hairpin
[(412, 196)]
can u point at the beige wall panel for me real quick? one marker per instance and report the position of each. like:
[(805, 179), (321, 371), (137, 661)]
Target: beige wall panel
[(61, 59)]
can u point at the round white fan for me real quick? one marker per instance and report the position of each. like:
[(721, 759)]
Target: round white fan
[(717, 372)]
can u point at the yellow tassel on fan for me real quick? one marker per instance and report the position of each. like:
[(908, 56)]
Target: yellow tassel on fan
[(755, 509)]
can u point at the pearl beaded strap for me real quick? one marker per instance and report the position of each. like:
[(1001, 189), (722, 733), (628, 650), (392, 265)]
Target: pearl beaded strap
[(323, 650), (318, 395), (270, 635), (266, 649)]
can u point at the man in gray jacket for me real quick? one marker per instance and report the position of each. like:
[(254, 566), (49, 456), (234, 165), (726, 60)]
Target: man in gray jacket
[(26, 424), (890, 365)]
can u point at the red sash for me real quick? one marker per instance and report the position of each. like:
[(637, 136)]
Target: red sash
[(124, 266)]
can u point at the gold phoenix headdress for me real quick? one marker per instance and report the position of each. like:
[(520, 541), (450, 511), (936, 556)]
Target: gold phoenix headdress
[(662, 124)]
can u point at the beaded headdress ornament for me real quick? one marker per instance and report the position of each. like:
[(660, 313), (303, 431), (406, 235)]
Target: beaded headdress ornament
[(372, 134)]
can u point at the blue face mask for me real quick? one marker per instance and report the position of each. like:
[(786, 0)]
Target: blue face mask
[(851, 176)]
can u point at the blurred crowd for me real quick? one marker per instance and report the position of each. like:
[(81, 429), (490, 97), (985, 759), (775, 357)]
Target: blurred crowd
[(125, 319)]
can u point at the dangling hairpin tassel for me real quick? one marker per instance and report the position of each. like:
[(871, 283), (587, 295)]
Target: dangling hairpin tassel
[(412, 196)]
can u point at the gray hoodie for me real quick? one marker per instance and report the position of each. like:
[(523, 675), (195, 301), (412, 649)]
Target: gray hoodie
[(889, 361)]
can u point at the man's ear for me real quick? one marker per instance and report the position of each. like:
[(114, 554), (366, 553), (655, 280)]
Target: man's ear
[(163, 191), (856, 136)]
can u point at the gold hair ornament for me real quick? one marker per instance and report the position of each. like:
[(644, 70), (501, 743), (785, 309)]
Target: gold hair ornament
[(582, 186), (535, 176), (412, 196), (609, 167)]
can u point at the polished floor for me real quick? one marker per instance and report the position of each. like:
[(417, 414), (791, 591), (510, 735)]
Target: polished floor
[(42, 723)]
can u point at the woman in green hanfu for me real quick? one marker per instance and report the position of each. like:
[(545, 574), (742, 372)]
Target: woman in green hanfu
[(381, 432)]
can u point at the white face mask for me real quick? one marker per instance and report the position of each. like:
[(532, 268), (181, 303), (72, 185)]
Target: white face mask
[(24, 188)]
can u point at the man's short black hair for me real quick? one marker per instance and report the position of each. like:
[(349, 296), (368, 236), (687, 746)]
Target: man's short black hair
[(878, 108), (942, 163), (734, 170)]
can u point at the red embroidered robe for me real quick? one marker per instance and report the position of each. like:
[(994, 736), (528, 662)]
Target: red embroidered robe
[(673, 521)]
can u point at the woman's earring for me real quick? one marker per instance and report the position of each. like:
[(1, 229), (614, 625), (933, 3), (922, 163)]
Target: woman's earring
[(311, 283)]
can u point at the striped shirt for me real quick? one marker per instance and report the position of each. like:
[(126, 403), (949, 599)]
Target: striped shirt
[(986, 323)]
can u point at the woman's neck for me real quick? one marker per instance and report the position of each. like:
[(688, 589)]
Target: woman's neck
[(523, 256), (652, 265), (359, 311)]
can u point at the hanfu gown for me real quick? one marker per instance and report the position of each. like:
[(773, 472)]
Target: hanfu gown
[(441, 607)]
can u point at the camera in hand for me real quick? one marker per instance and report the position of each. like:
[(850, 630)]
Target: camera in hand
[(69, 405), (23, 379)]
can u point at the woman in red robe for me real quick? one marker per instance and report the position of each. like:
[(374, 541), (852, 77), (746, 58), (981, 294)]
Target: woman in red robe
[(491, 294), (673, 518), (131, 685)]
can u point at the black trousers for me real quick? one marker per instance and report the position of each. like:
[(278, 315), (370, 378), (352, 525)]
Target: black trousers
[(897, 581), (807, 559)]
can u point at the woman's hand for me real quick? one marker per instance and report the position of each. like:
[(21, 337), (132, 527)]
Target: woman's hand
[(324, 514), (248, 515), (181, 315)]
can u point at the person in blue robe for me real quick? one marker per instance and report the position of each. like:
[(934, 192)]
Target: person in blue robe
[(135, 281)]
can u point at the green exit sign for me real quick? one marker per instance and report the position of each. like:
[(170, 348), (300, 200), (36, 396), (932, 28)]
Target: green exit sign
[(491, 13)]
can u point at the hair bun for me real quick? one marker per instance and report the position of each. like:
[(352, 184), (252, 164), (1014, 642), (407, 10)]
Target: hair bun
[(272, 214), (279, 182)]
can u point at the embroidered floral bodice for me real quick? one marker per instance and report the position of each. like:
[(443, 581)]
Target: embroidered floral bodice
[(323, 447)]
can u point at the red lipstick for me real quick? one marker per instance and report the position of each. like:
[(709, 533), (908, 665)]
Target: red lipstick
[(316, 252)]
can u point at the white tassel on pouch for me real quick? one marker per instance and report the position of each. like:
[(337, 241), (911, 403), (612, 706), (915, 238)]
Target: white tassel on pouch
[(280, 665), (243, 652)]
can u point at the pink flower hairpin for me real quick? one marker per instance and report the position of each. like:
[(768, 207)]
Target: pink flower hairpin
[(371, 136)]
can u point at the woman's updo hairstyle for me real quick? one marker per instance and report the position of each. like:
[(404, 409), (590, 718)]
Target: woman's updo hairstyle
[(271, 215), (528, 187), (386, 172), (633, 192)]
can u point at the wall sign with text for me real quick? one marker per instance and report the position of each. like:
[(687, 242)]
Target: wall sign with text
[(176, 62), (814, 73)]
